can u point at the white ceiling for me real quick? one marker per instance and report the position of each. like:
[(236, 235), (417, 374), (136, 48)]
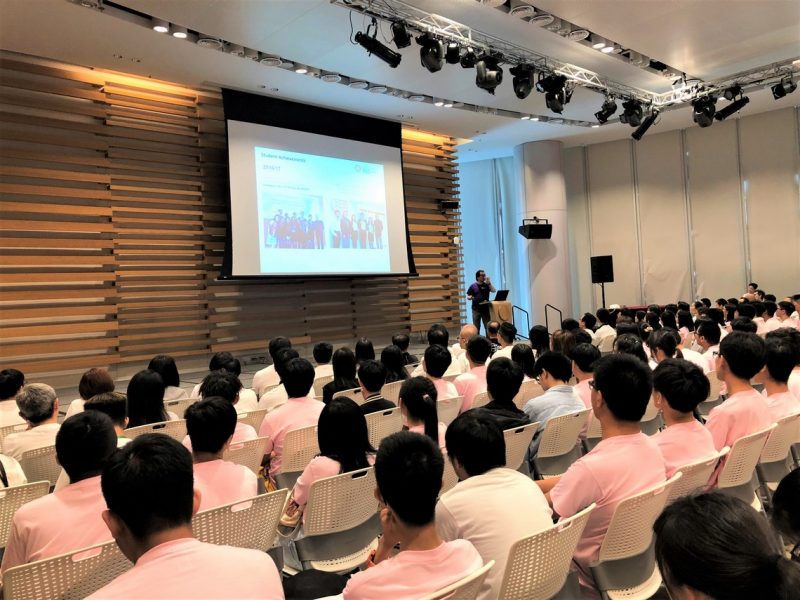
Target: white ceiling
[(705, 38)]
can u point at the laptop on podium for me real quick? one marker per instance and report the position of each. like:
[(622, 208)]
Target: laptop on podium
[(501, 296)]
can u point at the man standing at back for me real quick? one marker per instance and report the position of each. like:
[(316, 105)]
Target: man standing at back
[(477, 293)]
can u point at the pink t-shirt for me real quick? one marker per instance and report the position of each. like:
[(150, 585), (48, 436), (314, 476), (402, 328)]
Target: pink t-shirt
[(469, 384), (794, 382), (223, 482), (241, 433), (444, 389), (413, 574), (188, 568), (740, 415), (683, 444), (782, 405), (442, 430), (66, 520), (295, 414), (616, 469), (584, 392)]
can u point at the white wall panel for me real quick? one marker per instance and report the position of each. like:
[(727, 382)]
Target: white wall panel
[(579, 239)]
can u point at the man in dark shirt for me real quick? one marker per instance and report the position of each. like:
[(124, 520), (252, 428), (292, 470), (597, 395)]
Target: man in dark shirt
[(479, 292), (371, 377)]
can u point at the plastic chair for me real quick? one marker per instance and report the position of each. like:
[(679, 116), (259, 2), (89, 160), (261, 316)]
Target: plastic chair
[(594, 434), (14, 497), (695, 476), (249, 454), (449, 408), (179, 406), (249, 523), (391, 391), (340, 522), (449, 477), (481, 399), (321, 382), (71, 576), (651, 422), (518, 440), (776, 457), (626, 565), (299, 447), (558, 447), (355, 395), (528, 390), (174, 429), (252, 418), (737, 475), (383, 423), (538, 565), (714, 398), (411, 368), (40, 464), (464, 589), (265, 390), (9, 429)]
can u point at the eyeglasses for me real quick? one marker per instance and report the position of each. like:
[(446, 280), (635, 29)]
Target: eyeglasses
[(592, 384)]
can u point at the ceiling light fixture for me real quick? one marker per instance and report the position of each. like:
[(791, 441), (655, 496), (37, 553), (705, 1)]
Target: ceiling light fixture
[(521, 9), (431, 52), (180, 32), (632, 113), (372, 45), (453, 53), (525, 117), (522, 80), (785, 86), (417, 98), (378, 89), (555, 93), (358, 84), (488, 73), (400, 35), (598, 43), (331, 77), (270, 60), (731, 93), (609, 108), (646, 124), (213, 43), (703, 110), (734, 107), (542, 19), (578, 35), (301, 70), (468, 59), (160, 25)]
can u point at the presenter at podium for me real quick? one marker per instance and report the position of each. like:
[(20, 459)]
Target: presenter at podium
[(478, 292)]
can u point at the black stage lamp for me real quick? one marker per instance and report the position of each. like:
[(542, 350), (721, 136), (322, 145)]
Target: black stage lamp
[(431, 52), (453, 53), (703, 110), (488, 74), (555, 94), (523, 80), (732, 92), (609, 108), (468, 59), (373, 46), (632, 113), (733, 107), (402, 39), (786, 86), (648, 121)]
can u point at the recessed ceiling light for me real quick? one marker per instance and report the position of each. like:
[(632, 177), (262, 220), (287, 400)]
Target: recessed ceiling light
[(578, 35), (236, 49), (525, 117), (458, 104), (417, 97), (534, 118), (553, 25), (180, 32), (271, 61), (378, 89), (358, 85), (160, 25), (209, 42), (251, 54), (607, 49), (521, 10), (439, 103), (493, 3), (301, 70), (542, 19), (448, 104), (331, 78), (598, 42), (595, 126)]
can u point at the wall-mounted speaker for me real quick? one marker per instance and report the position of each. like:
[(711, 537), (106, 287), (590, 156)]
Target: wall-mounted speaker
[(602, 269), (536, 231)]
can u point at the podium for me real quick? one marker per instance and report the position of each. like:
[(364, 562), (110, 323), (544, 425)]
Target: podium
[(501, 311)]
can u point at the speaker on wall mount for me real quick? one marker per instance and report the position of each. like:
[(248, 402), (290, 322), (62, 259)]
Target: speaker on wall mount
[(536, 229), (602, 269)]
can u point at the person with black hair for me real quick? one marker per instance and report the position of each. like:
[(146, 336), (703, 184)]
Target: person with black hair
[(792, 336), (11, 383), (540, 338), (678, 388), (632, 345), (115, 406), (781, 358), (268, 376), (564, 341), (624, 463), (522, 354), (503, 381), (248, 400), (364, 350), (418, 398), (716, 546), (583, 357), (478, 295), (148, 487), (796, 314), (402, 340), (473, 382), (477, 508), (438, 336), (165, 366), (492, 329), (94, 381), (394, 363), (663, 344), (553, 371), (322, 352), (686, 328), (570, 324), (782, 316), (146, 400), (606, 328), (38, 406), (708, 336), (371, 378), (435, 364), (785, 516), (210, 423), (408, 471), (506, 336), (277, 396), (744, 324), (70, 518), (587, 323), (344, 374)]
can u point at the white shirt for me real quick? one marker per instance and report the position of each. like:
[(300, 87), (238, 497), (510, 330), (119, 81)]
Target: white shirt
[(75, 407), (274, 398), (504, 352), (9, 413), (264, 379), (14, 471), (325, 370), (696, 358), (603, 332), (174, 393), (454, 369), (248, 400), (16, 444)]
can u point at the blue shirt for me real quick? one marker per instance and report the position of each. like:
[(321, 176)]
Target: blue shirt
[(558, 400)]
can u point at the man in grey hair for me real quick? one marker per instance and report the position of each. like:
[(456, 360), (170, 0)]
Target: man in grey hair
[(38, 405)]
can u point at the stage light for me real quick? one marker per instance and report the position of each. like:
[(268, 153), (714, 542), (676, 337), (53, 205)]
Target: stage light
[(468, 59), (488, 74), (523, 80), (555, 93), (373, 46), (180, 32), (160, 25), (632, 113), (609, 108), (453, 53), (402, 39), (732, 92), (703, 110), (735, 106), (648, 121), (786, 86), (431, 53)]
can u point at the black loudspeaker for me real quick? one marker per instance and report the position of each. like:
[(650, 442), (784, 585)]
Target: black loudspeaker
[(602, 269), (536, 231)]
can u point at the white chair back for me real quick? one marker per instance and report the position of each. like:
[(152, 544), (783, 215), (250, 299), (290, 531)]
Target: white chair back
[(252, 418), (528, 390), (518, 440), (9, 429), (449, 477), (740, 464), (560, 434), (299, 447), (391, 391), (463, 589), (411, 368), (321, 382), (340, 502), (383, 423), (448, 409), (14, 497), (249, 454), (40, 464), (174, 429), (355, 395), (481, 399), (538, 565), (249, 523), (595, 430), (695, 476), (779, 443), (179, 406)]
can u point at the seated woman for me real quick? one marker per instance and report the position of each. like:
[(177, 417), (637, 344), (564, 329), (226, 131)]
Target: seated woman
[(165, 366), (364, 350), (93, 382), (394, 361), (522, 355), (343, 447), (146, 400), (418, 405), (344, 374)]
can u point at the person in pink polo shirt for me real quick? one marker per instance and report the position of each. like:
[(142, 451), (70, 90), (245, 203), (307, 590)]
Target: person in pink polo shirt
[(678, 388), (624, 463), (210, 423), (741, 357), (474, 381), (435, 363), (301, 410), (418, 406), (150, 495), (70, 518), (781, 358), (584, 356), (792, 336)]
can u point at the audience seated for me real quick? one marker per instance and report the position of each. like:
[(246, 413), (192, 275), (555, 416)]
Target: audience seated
[(745, 324), (11, 473), (277, 396), (477, 509), (584, 356), (371, 378), (435, 363), (70, 518), (553, 371), (522, 354), (492, 331), (624, 463), (438, 336), (540, 339), (11, 384), (716, 546), (165, 366), (685, 327), (587, 323), (409, 470), (364, 350), (322, 352), (785, 514), (505, 337), (401, 340), (300, 410), (563, 342), (418, 405), (93, 382), (606, 328), (211, 423), (781, 358), (343, 447), (473, 381), (394, 363), (708, 337), (631, 345), (793, 337), (146, 400), (459, 349), (148, 489), (344, 374), (678, 388), (38, 406), (225, 360), (268, 377), (503, 380)]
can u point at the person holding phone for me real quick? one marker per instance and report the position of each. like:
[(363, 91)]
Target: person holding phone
[(478, 293)]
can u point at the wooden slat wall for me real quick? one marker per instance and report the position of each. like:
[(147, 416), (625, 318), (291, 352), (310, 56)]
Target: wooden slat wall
[(112, 223)]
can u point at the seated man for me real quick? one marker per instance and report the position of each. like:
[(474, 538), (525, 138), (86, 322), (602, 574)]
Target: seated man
[(408, 470), (38, 405), (583, 357), (459, 349), (222, 384), (225, 360), (506, 335), (493, 332), (606, 328), (553, 371), (147, 486), (473, 381), (678, 387), (11, 384), (401, 340), (476, 509), (781, 358), (323, 352), (268, 377), (70, 518), (371, 378), (300, 410), (503, 380), (210, 423), (438, 336), (707, 336), (792, 336), (624, 463), (435, 363), (277, 396)]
